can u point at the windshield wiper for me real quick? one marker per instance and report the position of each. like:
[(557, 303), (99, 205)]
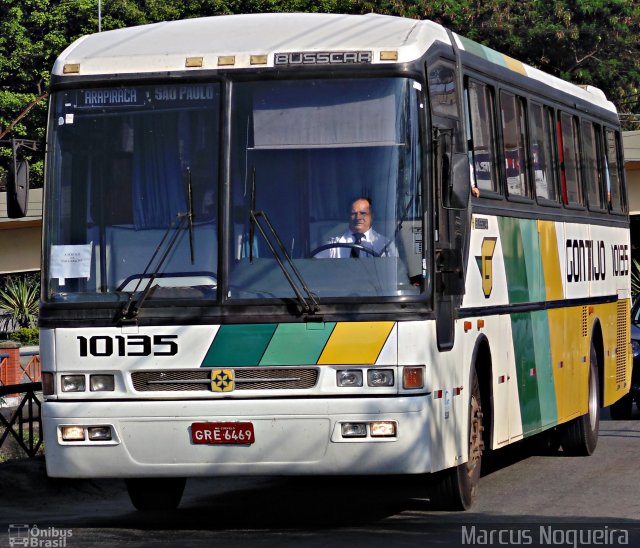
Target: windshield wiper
[(131, 308), (309, 304)]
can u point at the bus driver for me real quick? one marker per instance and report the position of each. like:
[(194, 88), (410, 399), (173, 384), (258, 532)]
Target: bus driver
[(360, 232)]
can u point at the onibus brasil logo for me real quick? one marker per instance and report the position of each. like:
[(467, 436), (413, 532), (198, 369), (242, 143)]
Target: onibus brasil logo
[(32, 535)]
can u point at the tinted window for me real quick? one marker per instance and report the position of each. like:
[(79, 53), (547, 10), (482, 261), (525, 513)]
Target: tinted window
[(543, 151), (481, 124), (572, 191), (513, 137)]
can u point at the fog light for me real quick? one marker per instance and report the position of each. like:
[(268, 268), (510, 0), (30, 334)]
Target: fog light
[(349, 377), (47, 384), (101, 383), (99, 433), (383, 429), (72, 433), (413, 377), (380, 377), (354, 430), (73, 383)]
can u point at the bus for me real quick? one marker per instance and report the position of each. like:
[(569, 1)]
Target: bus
[(202, 312)]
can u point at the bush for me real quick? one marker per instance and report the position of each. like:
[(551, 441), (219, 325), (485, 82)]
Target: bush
[(28, 336)]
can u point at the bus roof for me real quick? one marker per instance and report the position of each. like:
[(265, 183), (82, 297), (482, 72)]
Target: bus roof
[(253, 40)]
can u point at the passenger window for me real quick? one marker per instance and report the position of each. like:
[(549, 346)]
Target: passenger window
[(513, 135), (481, 124), (543, 151), (613, 179), (569, 167), (592, 168)]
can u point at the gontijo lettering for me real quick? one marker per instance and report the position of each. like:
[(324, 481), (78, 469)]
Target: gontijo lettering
[(587, 260)]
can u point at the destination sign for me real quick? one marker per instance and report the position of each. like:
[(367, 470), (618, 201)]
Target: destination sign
[(146, 96), (323, 58)]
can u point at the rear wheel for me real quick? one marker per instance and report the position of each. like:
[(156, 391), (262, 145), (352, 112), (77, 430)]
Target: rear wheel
[(580, 436), (456, 488), (155, 494)]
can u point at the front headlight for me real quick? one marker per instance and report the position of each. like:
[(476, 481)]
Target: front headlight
[(635, 348)]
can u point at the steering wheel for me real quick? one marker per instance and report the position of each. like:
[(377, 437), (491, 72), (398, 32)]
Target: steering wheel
[(349, 245)]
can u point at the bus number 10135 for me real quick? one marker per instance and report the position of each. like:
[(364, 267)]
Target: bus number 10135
[(102, 346)]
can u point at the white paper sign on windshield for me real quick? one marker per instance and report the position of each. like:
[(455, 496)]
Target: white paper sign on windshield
[(70, 261)]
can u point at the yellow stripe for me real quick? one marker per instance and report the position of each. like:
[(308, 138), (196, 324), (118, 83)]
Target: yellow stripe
[(514, 65), (356, 343), (550, 261)]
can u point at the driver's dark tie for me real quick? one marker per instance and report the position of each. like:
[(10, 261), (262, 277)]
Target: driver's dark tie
[(357, 238)]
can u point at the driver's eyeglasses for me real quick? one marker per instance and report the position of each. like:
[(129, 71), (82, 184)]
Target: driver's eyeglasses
[(359, 213)]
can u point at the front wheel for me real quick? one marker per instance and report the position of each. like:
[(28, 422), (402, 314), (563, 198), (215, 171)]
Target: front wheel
[(456, 488), (155, 494), (580, 436)]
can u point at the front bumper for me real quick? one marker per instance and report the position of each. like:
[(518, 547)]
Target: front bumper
[(292, 437)]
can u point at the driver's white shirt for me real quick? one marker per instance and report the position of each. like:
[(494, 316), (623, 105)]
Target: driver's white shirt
[(371, 239)]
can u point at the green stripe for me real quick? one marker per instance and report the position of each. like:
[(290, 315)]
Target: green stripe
[(522, 260), (523, 344), (297, 344), (544, 368), (239, 345), (484, 52)]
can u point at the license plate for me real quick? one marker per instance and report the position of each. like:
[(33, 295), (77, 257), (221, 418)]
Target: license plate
[(222, 433)]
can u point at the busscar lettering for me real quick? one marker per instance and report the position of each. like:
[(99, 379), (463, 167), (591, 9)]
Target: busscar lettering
[(323, 58)]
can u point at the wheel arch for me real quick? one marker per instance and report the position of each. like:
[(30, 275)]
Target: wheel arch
[(482, 362), (598, 343)]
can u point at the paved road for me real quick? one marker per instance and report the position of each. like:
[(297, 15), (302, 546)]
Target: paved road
[(524, 499)]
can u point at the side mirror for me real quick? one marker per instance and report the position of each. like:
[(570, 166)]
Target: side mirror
[(455, 178), (18, 189)]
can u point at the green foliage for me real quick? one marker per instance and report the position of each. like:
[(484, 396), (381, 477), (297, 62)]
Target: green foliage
[(27, 336), (587, 41), (19, 301)]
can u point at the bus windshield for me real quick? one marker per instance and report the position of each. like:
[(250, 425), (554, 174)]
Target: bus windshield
[(121, 162), (325, 160), (333, 165)]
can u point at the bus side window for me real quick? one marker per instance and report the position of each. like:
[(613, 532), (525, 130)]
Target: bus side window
[(613, 179), (543, 151), (569, 165), (512, 110), (592, 164), (483, 136)]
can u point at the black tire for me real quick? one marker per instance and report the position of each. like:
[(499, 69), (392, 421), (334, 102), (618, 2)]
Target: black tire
[(456, 488), (622, 409), (155, 494), (580, 436)]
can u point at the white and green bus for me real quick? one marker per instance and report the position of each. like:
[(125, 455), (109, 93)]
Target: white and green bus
[(203, 313)]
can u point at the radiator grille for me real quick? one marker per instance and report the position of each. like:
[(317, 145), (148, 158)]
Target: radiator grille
[(585, 317), (622, 341), (199, 380)]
